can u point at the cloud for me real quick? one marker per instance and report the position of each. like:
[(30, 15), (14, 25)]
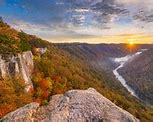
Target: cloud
[(81, 18), (138, 2), (76, 12), (139, 9), (127, 1)]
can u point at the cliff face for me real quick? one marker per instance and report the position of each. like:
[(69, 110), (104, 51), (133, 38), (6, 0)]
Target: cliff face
[(73, 106), (20, 65)]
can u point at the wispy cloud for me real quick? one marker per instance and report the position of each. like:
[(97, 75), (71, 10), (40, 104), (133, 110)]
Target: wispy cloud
[(79, 18)]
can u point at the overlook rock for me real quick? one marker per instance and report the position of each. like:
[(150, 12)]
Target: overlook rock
[(73, 106)]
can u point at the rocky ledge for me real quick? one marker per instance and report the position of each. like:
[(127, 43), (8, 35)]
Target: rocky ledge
[(73, 106)]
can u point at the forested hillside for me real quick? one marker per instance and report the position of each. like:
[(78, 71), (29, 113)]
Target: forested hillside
[(56, 71), (139, 74)]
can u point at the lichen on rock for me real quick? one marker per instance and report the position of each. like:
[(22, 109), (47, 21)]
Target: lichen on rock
[(73, 106)]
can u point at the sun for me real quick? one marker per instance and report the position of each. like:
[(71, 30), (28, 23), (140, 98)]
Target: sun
[(131, 43)]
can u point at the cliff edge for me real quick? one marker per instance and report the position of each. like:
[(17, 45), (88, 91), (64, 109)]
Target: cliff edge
[(73, 106), (19, 65)]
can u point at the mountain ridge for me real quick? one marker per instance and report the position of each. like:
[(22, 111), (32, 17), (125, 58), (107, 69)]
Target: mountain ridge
[(57, 71)]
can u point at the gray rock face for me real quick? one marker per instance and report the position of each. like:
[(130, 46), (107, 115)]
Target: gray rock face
[(23, 114), (20, 65), (73, 106)]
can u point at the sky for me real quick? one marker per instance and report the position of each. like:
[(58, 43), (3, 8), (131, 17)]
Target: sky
[(91, 21)]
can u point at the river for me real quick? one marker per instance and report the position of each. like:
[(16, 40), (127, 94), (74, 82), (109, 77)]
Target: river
[(122, 61)]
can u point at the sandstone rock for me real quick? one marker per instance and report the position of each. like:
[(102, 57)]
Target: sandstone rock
[(20, 65), (74, 106), (23, 114)]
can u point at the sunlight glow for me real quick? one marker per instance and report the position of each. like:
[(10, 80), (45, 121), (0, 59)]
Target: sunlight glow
[(131, 43)]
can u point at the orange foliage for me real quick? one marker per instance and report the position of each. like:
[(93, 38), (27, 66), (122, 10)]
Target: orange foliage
[(45, 94), (56, 78), (4, 109), (43, 84)]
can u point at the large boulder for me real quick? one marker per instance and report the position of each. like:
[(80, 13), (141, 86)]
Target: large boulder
[(73, 106)]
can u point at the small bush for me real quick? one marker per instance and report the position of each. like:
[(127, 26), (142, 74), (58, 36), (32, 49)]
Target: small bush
[(45, 102)]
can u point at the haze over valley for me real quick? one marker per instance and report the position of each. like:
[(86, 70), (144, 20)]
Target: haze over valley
[(76, 60)]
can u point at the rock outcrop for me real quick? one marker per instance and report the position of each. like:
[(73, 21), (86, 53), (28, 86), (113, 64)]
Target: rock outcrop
[(20, 65), (73, 106)]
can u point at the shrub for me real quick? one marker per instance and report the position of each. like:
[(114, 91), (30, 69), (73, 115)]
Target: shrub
[(45, 102), (12, 96)]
